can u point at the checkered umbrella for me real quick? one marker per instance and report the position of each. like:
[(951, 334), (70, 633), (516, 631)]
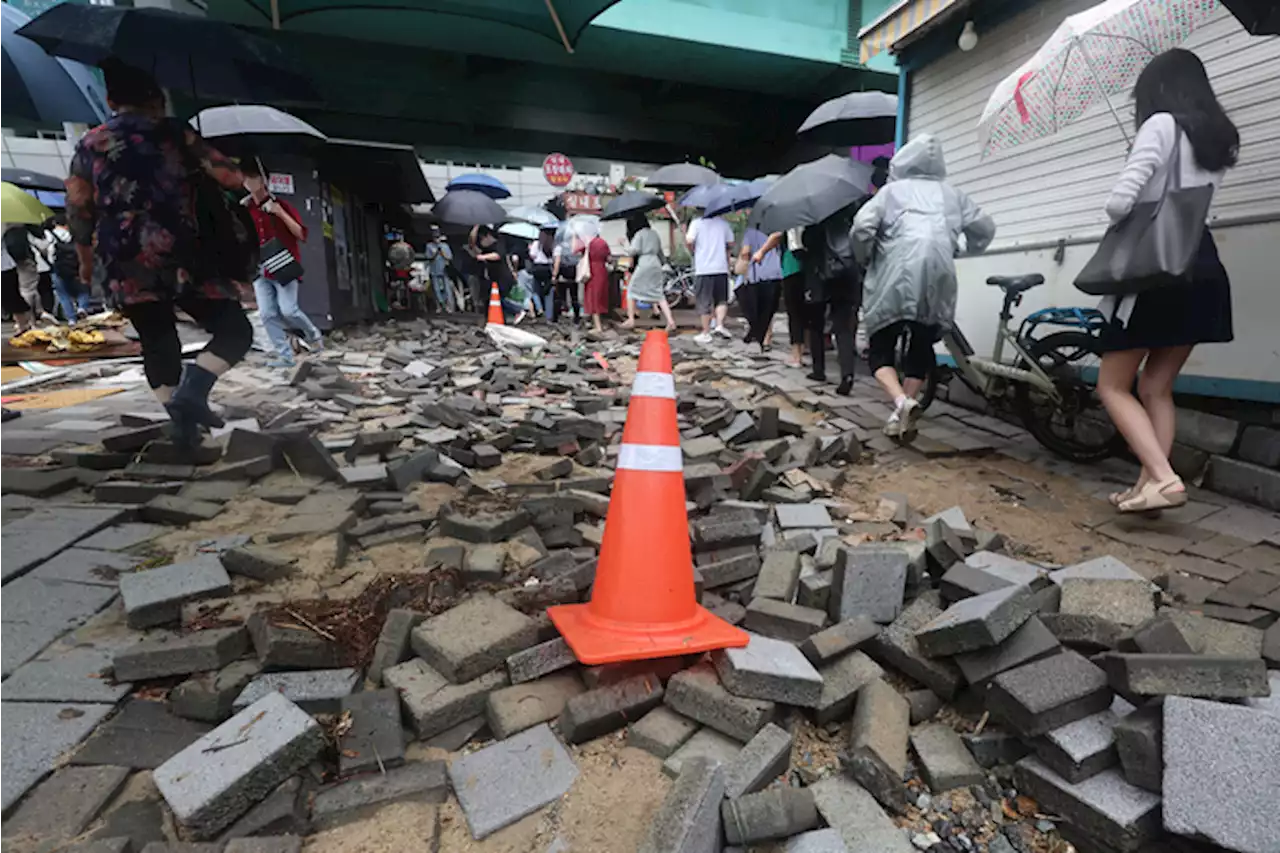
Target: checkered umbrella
[(1090, 58)]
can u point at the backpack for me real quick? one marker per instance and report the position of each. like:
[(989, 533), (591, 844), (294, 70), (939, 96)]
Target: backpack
[(837, 257), (226, 238), (17, 242), (66, 263)]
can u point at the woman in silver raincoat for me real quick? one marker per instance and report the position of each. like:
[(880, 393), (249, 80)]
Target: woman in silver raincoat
[(907, 238)]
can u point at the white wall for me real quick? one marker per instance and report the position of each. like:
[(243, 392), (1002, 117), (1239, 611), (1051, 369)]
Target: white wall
[(50, 156)]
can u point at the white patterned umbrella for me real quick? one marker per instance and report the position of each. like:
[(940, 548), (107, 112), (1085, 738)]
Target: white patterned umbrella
[(1090, 58)]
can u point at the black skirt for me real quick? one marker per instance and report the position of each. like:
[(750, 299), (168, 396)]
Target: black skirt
[(1183, 314)]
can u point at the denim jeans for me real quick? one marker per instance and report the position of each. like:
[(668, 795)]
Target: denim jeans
[(70, 304), (278, 306)]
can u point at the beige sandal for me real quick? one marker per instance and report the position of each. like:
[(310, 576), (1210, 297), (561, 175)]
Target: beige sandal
[(1117, 498), (1156, 495)]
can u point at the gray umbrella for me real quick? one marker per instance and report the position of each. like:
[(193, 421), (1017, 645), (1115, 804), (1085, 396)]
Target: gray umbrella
[(468, 207), (681, 176), (859, 118), (629, 203), (810, 193), (30, 180), (252, 120), (41, 88)]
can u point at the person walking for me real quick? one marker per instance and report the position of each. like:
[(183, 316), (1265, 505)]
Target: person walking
[(73, 294), (564, 276), (14, 303), (907, 237), (833, 287), (595, 290), (276, 219), (145, 201), (759, 295), (26, 274), (542, 257), (1180, 124), (438, 256), (646, 272), (710, 239)]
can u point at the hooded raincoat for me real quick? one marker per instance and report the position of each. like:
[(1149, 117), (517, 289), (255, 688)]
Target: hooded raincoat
[(907, 236)]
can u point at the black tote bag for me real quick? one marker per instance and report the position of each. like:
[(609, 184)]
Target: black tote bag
[(278, 262), (1155, 244)]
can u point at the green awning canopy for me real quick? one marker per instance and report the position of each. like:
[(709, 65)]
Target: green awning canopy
[(407, 21)]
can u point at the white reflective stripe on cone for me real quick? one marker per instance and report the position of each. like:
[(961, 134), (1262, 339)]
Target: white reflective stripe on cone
[(650, 384), (650, 457)]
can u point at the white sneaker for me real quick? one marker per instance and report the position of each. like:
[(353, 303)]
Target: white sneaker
[(902, 423), (722, 332), (703, 338)]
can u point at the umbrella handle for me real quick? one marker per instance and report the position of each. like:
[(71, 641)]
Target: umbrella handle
[(1088, 60), (671, 211)]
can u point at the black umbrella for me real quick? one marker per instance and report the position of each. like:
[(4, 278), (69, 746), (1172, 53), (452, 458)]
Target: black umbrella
[(859, 118), (631, 202), (468, 207), (186, 52), (30, 180), (810, 193), (41, 88), (681, 176), (1260, 17)]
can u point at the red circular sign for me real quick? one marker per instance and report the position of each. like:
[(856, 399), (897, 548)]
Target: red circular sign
[(557, 169)]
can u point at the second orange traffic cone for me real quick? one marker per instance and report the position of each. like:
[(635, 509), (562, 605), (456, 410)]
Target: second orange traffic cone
[(643, 603), (495, 306)]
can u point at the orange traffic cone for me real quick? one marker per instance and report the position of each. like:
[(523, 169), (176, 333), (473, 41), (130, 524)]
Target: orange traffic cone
[(495, 306), (643, 605)]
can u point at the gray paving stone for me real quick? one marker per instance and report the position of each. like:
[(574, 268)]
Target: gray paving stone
[(155, 596), (498, 785), (431, 703), (1139, 738), (924, 704), (705, 744), (868, 581), (779, 576), (171, 509), (1221, 769), (36, 612), (817, 841), (35, 735), (944, 760), (765, 757), (792, 516), (660, 732), (267, 844), (64, 804), (209, 696), (123, 537), (815, 589), (604, 709), (74, 674), (393, 642), (180, 655), (472, 638), (522, 706), (689, 819), (839, 639), (143, 735), (1082, 748), (698, 694), (841, 681), (31, 540), (101, 845), (896, 647), (1106, 567), (1105, 806), (1123, 603), (994, 746), (1045, 694), (317, 691), (258, 562), (456, 737), (769, 669), (290, 646), (978, 622), (257, 749), (854, 813), (542, 659), (375, 740), (85, 565), (359, 798), (1205, 676), (1030, 642), (769, 814), (782, 621), (284, 811), (878, 736)]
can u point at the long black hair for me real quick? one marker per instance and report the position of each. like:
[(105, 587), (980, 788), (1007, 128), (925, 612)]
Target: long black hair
[(635, 224), (1175, 82)]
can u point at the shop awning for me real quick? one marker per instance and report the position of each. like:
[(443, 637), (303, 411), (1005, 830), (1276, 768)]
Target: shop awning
[(898, 23)]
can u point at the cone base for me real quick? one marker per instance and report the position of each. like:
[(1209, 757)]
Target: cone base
[(597, 641)]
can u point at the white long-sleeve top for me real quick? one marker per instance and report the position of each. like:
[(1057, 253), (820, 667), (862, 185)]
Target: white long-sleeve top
[(1144, 174)]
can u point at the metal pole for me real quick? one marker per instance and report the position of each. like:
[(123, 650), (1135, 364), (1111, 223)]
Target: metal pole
[(1079, 42), (275, 14), (555, 18)]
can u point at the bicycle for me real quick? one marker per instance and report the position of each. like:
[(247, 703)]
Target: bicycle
[(1051, 380), (677, 286)]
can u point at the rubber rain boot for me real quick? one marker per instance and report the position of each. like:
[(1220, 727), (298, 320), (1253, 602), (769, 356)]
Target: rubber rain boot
[(189, 406)]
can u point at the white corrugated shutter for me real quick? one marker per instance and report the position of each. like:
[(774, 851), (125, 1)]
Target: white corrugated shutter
[(1054, 188)]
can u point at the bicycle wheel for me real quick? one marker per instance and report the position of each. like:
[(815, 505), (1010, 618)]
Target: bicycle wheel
[(1076, 427)]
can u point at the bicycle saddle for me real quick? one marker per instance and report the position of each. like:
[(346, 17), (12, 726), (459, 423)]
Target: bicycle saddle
[(1016, 283)]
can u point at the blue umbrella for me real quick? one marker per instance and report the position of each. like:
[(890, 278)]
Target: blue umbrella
[(41, 88), (490, 186), (736, 197), (698, 196)]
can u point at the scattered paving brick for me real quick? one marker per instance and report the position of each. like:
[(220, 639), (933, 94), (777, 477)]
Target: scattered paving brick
[(769, 669), (1083, 748), (780, 620), (978, 622), (1030, 642), (432, 703), (359, 798), (522, 706), (878, 743), (779, 575), (1104, 806), (473, 637), (944, 760), (208, 696), (311, 524), (1139, 739), (868, 582), (171, 509), (375, 740), (660, 732), (267, 844), (596, 712), (765, 757), (155, 596), (1048, 693), (316, 691), (64, 804), (258, 562), (706, 744), (769, 814), (924, 704), (537, 661), (290, 646), (393, 642), (257, 749), (180, 655), (482, 528), (830, 643), (896, 647), (857, 817), (1186, 675), (698, 694), (689, 819), (993, 746)]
